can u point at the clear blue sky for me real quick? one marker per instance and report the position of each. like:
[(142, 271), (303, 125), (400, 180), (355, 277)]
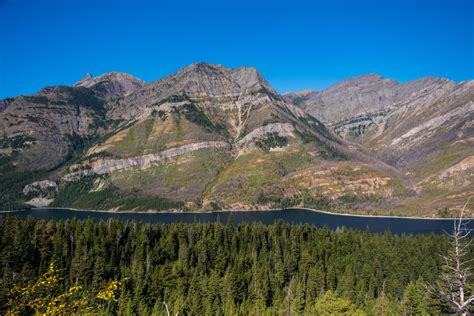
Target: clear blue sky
[(296, 45)]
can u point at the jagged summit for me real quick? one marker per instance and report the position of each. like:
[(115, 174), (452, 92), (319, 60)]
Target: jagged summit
[(88, 80), (202, 66), (369, 93), (84, 79), (213, 80), (198, 81), (111, 85)]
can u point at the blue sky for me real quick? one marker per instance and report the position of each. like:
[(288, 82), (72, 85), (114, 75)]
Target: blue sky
[(296, 45)]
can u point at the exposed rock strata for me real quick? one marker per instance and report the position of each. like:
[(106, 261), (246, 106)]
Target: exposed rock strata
[(111, 85), (142, 162), (271, 152), (436, 122), (282, 129), (40, 186)]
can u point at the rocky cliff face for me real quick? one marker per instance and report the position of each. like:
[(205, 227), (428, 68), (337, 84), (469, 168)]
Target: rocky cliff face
[(349, 98), (210, 137), (199, 81), (360, 104), (422, 127), (40, 130)]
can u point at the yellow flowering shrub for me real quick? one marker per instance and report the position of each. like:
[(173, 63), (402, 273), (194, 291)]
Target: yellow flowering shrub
[(44, 297), (110, 292)]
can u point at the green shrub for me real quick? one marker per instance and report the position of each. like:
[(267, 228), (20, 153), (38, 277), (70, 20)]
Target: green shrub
[(15, 142), (79, 194), (271, 140)]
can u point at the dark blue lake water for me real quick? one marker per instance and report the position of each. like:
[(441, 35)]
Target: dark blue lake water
[(294, 216)]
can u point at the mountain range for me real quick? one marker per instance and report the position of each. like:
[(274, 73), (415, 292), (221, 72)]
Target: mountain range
[(211, 138)]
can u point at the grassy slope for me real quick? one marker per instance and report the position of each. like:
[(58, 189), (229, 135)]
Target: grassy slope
[(308, 174), (298, 178), (154, 135)]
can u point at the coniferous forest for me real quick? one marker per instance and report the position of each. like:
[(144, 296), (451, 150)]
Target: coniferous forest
[(123, 268)]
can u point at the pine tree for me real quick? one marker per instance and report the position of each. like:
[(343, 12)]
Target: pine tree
[(415, 299), (330, 304)]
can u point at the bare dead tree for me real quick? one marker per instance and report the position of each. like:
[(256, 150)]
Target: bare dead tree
[(452, 285), (167, 310)]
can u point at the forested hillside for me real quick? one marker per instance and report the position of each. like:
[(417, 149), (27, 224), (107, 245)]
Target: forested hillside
[(204, 269)]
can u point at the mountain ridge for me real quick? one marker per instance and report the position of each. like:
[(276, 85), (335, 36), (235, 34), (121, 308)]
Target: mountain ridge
[(426, 131), (204, 137)]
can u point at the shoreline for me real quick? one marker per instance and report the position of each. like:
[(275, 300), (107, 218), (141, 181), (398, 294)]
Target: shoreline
[(240, 211)]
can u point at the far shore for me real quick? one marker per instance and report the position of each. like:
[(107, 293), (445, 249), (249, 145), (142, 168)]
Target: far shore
[(234, 210)]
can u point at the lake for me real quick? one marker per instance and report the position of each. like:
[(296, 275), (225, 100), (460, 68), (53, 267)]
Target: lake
[(294, 216)]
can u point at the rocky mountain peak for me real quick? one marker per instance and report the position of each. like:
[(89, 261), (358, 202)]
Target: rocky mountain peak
[(111, 85), (215, 79), (202, 66), (202, 80), (211, 85), (250, 78), (87, 79), (368, 82), (369, 93)]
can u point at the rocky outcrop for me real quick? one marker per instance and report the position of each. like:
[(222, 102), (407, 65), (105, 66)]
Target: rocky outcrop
[(365, 104), (84, 81), (365, 95), (428, 127), (435, 123), (393, 119), (349, 98), (142, 162), (45, 127), (199, 81), (112, 85), (461, 167), (41, 193), (39, 202), (357, 126), (40, 186), (282, 129)]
